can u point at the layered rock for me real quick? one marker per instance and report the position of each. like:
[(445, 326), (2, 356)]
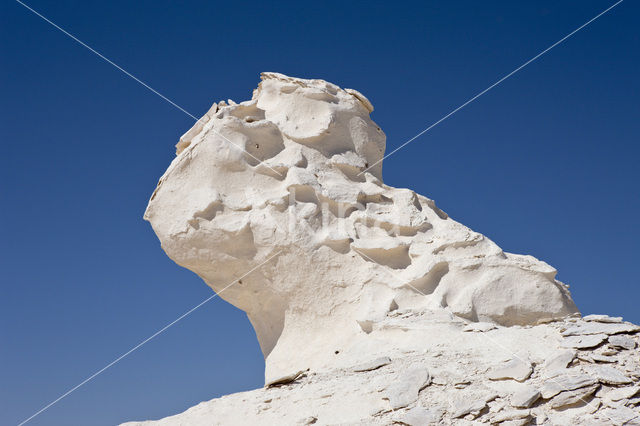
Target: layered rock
[(446, 373), (278, 204)]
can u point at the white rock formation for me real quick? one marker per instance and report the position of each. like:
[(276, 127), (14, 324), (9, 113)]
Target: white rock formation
[(440, 374), (368, 299), (341, 248)]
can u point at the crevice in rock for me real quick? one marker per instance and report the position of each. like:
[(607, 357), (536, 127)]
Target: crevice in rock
[(394, 258), (430, 281)]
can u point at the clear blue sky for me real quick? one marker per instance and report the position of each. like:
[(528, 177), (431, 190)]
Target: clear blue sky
[(544, 164)]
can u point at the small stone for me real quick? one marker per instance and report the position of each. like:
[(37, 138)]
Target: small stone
[(583, 342), (622, 393), (602, 318), (463, 406), (565, 383), (405, 389), (505, 416), (283, 380), (586, 358), (479, 326), (447, 377), (419, 416), (624, 342), (593, 405), (525, 397), (308, 420), (603, 358), (516, 369), (559, 360), (588, 328), (373, 364), (519, 422), (618, 415), (609, 375), (567, 398)]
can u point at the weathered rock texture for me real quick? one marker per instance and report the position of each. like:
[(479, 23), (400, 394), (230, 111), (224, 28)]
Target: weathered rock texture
[(285, 178), (439, 374), (348, 273)]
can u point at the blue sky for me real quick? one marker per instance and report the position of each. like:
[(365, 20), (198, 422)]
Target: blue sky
[(544, 164)]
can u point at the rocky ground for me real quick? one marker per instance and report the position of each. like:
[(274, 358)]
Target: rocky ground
[(576, 371)]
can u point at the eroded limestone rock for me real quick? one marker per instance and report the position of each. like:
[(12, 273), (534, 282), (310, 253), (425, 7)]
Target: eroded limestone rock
[(525, 397), (278, 203), (516, 368)]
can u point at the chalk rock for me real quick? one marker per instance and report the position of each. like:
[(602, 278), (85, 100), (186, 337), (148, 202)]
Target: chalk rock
[(572, 397), (278, 204), (609, 375), (467, 404), (600, 328), (601, 318), (283, 380), (511, 415), (603, 358), (583, 342), (516, 369), (404, 390), (620, 415), (624, 342), (566, 383), (373, 364), (517, 422), (559, 360), (460, 392), (622, 393), (419, 416), (525, 397), (479, 327)]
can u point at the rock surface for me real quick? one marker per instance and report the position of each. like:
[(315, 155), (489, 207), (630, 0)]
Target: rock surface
[(577, 394), (516, 369), (370, 304), (525, 397), (373, 364)]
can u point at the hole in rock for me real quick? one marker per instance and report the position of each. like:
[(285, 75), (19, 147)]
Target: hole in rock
[(393, 306), (366, 325), (208, 214), (430, 281), (339, 246), (395, 258), (304, 194)]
